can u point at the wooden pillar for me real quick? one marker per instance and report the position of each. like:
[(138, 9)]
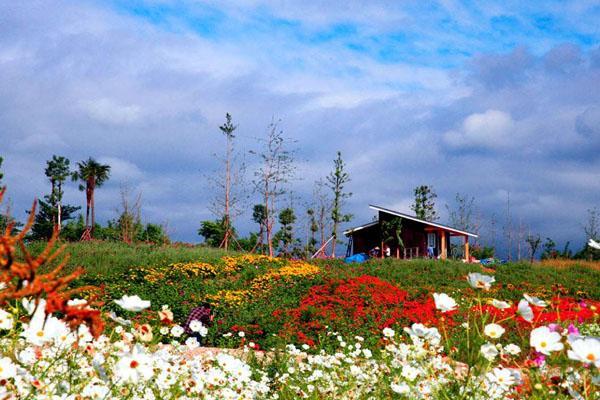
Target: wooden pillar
[(467, 256), (443, 251)]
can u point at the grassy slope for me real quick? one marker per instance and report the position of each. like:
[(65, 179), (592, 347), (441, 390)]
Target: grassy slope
[(115, 260)]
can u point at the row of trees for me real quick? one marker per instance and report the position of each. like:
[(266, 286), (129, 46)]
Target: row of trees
[(275, 160), (89, 175)]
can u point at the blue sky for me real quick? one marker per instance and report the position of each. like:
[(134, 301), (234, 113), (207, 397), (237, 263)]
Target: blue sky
[(484, 98)]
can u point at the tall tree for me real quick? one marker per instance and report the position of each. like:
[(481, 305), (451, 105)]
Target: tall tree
[(287, 217), (322, 203), (592, 225), (276, 168), (92, 175), (424, 205), (534, 242), (337, 180), (228, 183), (462, 213), (57, 171), (313, 229)]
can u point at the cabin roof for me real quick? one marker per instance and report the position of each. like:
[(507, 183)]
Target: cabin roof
[(411, 217)]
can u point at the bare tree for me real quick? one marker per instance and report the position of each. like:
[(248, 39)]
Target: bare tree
[(592, 225), (130, 213), (228, 184), (276, 168), (322, 207)]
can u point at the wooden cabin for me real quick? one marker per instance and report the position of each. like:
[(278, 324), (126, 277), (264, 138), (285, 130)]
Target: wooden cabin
[(421, 238)]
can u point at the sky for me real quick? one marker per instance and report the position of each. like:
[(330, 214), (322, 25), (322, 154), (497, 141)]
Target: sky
[(488, 99)]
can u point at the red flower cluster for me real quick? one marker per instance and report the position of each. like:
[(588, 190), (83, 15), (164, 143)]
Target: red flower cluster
[(559, 309), (359, 304)]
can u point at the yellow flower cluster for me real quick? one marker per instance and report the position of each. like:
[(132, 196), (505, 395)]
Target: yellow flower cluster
[(228, 297), (234, 264), (152, 275), (195, 269), (292, 269)]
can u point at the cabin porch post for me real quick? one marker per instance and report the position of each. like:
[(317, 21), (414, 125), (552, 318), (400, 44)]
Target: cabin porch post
[(467, 256), (443, 251)]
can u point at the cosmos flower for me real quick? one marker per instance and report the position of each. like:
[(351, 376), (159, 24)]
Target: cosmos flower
[(493, 330), (525, 311), (480, 281), (6, 320), (133, 303), (488, 351), (545, 341), (585, 350), (444, 303), (534, 301), (502, 305)]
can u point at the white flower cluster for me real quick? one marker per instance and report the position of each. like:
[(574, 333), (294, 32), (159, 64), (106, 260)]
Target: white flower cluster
[(45, 360)]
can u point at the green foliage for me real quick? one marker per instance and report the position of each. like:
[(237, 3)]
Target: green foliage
[(91, 175), (534, 242), (46, 216), (213, 232), (424, 205), (391, 231), (286, 234), (482, 252), (153, 233), (549, 249)]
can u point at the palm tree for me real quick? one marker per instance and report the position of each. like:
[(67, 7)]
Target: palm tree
[(92, 174)]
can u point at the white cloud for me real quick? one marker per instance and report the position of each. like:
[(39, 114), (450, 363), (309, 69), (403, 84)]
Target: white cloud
[(121, 170), (111, 112), (492, 129)]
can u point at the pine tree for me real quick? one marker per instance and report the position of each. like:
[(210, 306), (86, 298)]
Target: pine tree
[(287, 217), (57, 171), (424, 206)]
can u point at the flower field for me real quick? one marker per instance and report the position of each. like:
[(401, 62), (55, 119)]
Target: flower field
[(287, 329)]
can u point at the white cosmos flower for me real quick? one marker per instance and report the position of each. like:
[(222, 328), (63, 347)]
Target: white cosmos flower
[(7, 368), (488, 351), (500, 304), (443, 302), (480, 281), (133, 303), (586, 350), (512, 349), (534, 301), (119, 320), (177, 331), (525, 311), (135, 366), (388, 332), (502, 376), (545, 341), (400, 388), (6, 320), (493, 330), (198, 327)]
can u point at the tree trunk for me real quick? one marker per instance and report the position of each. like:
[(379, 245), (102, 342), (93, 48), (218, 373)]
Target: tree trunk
[(59, 206)]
